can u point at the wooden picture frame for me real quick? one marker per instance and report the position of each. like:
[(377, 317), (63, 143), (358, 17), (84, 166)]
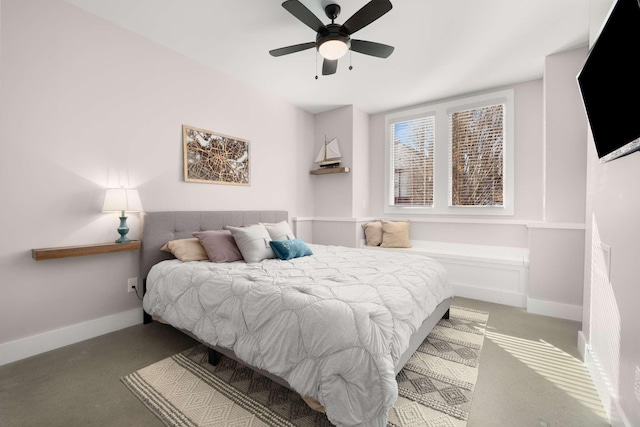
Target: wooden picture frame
[(214, 158)]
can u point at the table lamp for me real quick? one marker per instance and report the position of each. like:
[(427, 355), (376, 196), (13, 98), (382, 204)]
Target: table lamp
[(122, 200)]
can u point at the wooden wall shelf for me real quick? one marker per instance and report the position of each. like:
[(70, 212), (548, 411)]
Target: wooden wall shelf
[(72, 251), (329, 170)]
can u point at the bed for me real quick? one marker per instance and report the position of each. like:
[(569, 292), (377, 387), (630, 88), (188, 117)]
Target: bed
[(336, 326)]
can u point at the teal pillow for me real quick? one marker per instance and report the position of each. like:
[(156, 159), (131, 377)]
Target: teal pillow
[(288, 249)]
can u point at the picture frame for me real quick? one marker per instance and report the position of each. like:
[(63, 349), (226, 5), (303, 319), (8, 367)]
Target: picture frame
[(214, 158)]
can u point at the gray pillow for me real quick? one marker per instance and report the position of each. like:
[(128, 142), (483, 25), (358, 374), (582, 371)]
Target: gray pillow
[(253, 242), (219, 245), (279, 230)]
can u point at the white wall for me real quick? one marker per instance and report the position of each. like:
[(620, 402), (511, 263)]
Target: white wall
[(564, 139), (529, 173), (555, 267), (333, 193), (556, 244), (611, 319), (614, 208), (360, 164), (340, 198), (85, 104)]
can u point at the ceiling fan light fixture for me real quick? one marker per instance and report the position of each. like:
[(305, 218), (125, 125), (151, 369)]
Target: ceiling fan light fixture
[(333, 40), (333, 49)]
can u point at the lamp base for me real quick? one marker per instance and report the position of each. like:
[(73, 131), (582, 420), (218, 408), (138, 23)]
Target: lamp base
[(123, 230)]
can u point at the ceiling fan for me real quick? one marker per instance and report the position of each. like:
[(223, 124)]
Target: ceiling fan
[(334, 40)]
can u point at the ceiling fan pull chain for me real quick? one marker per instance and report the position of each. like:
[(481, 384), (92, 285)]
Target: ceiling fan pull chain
[(350, 58), (316, 65)]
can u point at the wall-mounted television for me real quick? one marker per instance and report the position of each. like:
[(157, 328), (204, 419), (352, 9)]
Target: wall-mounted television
[(609, 83)]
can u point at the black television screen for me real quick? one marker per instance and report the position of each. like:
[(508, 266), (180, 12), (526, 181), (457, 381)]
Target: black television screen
[(609, 83)]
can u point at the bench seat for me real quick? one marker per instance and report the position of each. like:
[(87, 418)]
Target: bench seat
[(497, 274)]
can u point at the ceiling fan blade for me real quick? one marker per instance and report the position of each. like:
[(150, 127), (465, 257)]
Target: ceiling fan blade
[(301, 12), (366, 15), (329, 66), (370, 48), (292, 49)]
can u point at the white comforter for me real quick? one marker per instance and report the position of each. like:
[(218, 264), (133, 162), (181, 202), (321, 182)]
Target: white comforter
[(332, 325)]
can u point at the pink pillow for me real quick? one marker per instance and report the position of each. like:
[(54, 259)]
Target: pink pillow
[(219, 245)]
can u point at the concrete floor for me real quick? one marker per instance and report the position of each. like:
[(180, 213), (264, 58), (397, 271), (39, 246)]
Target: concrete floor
[(530, 375)]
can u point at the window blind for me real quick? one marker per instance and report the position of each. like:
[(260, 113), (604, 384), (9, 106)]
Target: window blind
[(477, 156), (411, 162)]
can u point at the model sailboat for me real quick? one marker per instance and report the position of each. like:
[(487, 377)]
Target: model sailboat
[(329, 155)]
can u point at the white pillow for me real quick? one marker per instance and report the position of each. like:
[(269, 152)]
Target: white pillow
[(279, 230), (253, 242)]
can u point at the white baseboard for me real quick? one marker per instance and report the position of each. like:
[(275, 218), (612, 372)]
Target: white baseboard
[(618, 417), (554, 309), (611, 405), (36, 344), (489, 295), (582, 345)]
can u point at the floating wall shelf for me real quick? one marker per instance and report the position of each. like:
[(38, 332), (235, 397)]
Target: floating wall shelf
[(329, 170), (72, 251)]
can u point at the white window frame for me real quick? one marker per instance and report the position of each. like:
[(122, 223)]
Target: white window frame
[(442, 156)]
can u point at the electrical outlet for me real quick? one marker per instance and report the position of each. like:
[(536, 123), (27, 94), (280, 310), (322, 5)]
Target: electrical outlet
[(132, 284), (636, 383)]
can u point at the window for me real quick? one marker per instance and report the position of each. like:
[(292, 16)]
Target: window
[(453, 157), (412, 161), (477, 144)]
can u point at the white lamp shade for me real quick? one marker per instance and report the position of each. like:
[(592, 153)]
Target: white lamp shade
[(121, 199), (333, 49)]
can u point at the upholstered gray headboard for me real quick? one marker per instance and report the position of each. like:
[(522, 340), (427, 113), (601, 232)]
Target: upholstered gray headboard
[(160, 227)]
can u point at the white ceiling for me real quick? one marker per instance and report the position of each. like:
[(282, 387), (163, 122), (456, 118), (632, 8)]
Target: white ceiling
[(442, 48)]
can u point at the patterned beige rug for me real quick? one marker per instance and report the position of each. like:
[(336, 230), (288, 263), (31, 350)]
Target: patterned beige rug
[(435, 386)]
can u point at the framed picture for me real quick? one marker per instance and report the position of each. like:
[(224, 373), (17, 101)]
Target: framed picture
[(214, 158)]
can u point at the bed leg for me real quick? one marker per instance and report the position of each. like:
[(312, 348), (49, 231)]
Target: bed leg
[(214, 357), (146, 317), (446, 315)]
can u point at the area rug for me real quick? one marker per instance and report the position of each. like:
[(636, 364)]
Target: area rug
[(435, 386)]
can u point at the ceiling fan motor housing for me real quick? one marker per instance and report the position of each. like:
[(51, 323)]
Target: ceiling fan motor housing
[(332, 32)]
